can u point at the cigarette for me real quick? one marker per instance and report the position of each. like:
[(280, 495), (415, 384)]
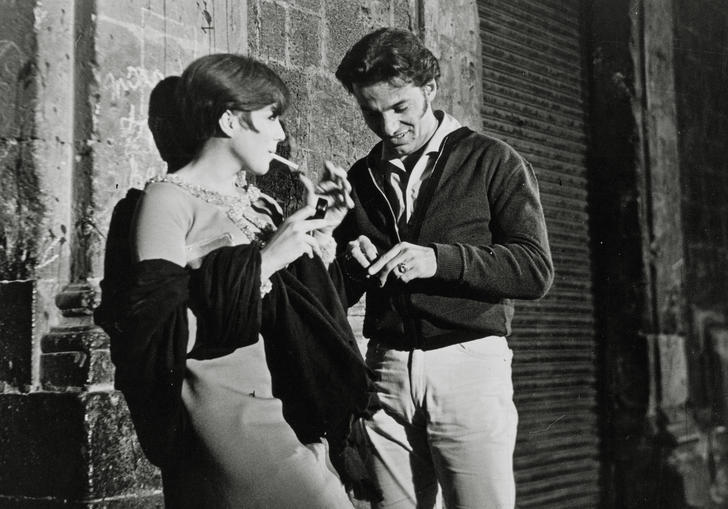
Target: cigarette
[(285, 161)]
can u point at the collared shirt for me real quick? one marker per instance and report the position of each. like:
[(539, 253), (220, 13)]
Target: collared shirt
[(406, 189)]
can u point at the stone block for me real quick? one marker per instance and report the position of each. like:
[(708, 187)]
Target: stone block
[(64, 370), (304, 39), (347, 22), (18, 72), (253, 28), (67, 370), (460, 92), (340, 133), (273, 31), (41, 445), (296, 118), (75, 356), (690, 461), (81, 338), (16, 333), (118, 465), (309, 5), (673, 370), (716, 370), (404, 14), (71, 447), (22, 211), (141, 501)]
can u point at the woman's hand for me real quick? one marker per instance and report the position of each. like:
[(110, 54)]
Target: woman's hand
[(335, 189), (290, 241)]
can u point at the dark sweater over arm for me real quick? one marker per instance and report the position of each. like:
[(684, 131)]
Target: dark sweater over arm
[(515, 260)]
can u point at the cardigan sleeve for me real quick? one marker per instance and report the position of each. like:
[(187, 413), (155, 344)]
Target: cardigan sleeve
[(517, 264)]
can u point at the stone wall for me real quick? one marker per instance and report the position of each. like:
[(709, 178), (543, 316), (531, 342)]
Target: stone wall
[(701, 40), (74, 93), (75, 82), (700, 43)]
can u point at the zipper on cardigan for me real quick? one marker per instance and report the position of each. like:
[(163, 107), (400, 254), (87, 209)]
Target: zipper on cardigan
[(391, 210), (404, 296), (434, 167)]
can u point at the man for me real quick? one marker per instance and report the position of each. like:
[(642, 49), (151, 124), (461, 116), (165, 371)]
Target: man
[(447, 229)]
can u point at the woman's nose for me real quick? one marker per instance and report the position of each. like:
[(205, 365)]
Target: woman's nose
[(279, 133)]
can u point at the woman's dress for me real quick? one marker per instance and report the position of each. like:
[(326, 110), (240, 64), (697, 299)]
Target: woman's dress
[(249, 457)]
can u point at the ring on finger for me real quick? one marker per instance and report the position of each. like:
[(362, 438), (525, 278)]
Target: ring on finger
[(402, 268)]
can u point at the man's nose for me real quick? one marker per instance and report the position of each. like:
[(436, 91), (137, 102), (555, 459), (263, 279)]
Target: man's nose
[(390, 123)]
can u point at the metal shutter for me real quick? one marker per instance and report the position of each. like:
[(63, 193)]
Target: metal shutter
[(533, 98)]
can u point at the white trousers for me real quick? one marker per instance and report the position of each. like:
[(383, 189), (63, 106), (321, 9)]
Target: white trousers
[(448, 418)]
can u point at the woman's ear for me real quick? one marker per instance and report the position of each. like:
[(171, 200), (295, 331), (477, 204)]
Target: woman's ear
[(228, 123)]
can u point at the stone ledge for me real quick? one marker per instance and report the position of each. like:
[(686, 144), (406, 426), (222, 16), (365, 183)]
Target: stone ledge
[(143, 501), (77, 447), (16, 332), (81, 338)]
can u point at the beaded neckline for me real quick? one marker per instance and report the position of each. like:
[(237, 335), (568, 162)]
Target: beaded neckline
[(246, 192), (237, 207)]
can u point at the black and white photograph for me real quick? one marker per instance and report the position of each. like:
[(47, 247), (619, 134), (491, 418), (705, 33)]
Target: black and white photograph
[(364, 254)]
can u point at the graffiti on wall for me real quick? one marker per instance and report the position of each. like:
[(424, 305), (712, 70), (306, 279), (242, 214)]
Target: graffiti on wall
[(134, 84)]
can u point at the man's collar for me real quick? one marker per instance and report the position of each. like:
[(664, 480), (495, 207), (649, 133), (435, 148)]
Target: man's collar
[(447, 124)]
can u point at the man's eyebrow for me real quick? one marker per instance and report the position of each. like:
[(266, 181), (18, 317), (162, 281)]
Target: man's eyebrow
[(367, 109)]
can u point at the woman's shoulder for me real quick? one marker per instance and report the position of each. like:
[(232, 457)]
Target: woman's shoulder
[(165, 192), (163, 188), (164, 199)]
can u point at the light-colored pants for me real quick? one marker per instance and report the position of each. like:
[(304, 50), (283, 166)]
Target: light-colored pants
[(448, 417)]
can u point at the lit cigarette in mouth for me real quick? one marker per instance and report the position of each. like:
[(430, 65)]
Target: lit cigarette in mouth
[(285, 161)]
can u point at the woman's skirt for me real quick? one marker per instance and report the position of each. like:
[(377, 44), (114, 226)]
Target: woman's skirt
[(249, 457)]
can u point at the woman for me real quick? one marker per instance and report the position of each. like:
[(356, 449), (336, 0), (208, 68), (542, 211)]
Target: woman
[(203, 403)]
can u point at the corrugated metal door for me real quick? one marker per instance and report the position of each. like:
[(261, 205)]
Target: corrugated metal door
[(533, 84)]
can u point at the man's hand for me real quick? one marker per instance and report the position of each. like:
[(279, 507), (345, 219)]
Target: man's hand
[(362, 250), (406, 262)]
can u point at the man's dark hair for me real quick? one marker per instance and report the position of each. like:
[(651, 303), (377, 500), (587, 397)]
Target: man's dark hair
[(388, 54), (224, 81)]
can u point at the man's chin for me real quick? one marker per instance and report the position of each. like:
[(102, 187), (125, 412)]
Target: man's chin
[(393, 151)]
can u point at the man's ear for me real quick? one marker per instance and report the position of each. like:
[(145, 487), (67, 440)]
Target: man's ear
[(430, 89), (228, 123)]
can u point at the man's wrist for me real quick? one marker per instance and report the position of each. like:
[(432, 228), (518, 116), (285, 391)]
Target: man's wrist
[(448, 262)]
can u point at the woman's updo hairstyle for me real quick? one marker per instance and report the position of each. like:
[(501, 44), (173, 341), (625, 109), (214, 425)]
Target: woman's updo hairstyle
[(225, 81)]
